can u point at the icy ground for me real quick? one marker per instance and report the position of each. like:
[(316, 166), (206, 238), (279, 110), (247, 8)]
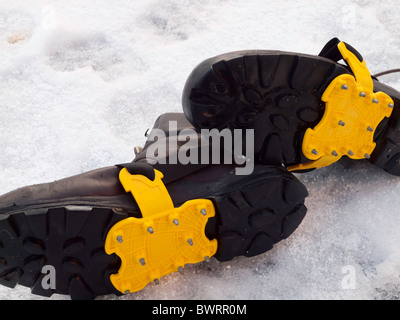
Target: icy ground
[(81, 81)]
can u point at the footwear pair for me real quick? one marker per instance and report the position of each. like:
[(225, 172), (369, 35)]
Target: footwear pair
[(116, 229)]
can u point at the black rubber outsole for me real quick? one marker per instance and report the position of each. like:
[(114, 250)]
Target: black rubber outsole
[(387, 151), (251, 220), (278, 94), (71, 238)]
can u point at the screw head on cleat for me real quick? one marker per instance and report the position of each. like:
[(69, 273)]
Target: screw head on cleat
[(150, 230)]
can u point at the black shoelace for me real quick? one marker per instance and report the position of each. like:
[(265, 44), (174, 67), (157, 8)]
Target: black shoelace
[(386, 72)]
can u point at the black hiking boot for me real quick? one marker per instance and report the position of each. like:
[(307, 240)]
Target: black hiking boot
[(115, 229)]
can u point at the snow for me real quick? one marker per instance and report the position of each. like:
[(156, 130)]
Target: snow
[(81, 81)]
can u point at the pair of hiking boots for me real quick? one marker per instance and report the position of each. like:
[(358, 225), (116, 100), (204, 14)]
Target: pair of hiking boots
[(116, 229)]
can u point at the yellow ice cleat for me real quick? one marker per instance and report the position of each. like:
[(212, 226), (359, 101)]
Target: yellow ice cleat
[(163, 240), (352, 113)]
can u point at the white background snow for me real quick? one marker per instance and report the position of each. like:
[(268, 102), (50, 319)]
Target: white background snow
[(81, 81)]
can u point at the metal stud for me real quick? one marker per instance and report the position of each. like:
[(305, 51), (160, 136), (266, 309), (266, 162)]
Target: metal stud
[(150, 230), (334, 153), (203, 212), (180, 269), (156, 281), (350, 153), (190, 241), (119, 239), (127, 292), (370, 129), (390, 105), (345, 87), (363, 94), (341, 123), (176, 222), (374, 100), (367, 156), (207, 258), (142, 261), (314, 152)]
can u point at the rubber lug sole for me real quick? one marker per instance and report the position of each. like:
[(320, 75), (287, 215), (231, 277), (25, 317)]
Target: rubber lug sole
[(70, 240), (279, 95), (387, 152), (250, 221)]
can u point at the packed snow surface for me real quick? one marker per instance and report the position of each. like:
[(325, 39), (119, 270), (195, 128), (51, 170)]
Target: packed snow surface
[(81, 81)]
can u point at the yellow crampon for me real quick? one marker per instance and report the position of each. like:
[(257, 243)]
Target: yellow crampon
[(352, 113), (163, 240)]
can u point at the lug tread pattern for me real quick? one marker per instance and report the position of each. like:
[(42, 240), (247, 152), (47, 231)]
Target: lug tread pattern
[(69, 239), (387, 151), (252, 220), (277, 95)]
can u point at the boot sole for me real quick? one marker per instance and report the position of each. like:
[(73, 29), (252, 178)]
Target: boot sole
[(278, 94), (71, 239)]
